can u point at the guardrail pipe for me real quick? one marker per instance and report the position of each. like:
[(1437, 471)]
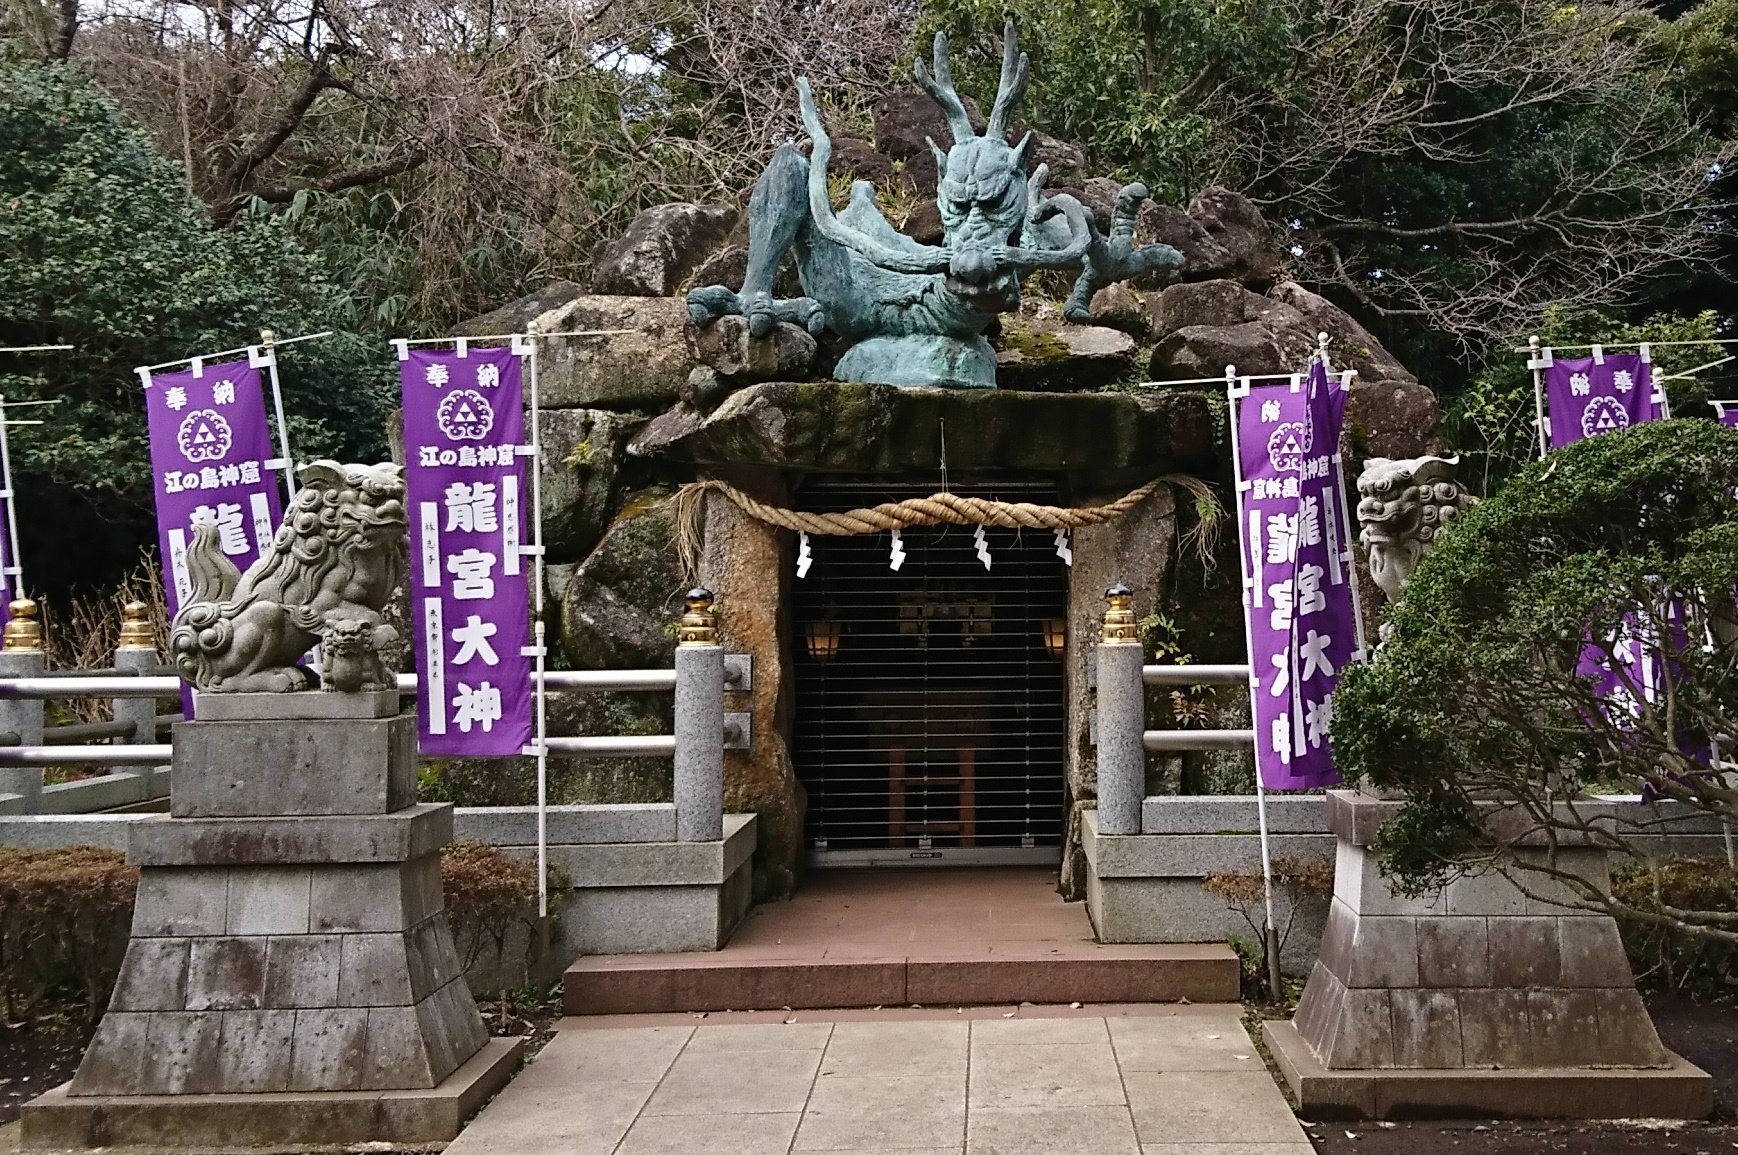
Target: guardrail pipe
[(137, 655), (21, 656)]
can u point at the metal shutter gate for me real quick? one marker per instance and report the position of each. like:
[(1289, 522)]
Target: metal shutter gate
[(929, 719)]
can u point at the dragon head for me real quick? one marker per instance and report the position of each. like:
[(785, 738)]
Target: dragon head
[(990, 207)]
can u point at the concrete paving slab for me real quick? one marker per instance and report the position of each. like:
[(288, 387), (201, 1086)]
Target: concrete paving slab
[(1194, 1107), (736, 1082), (1051, 1130), (934, 1049), (574, 1057), (1052, 1075), (720, 1135), (880, 1113), (554, 1120), (1016, 1031), (732, 1040), (1195, 1043)]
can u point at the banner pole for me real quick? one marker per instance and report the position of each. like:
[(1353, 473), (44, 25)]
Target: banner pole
[(539, 632), (1270, 931), (268, 345), (1349, 555), (17, 559), (1535, 362)]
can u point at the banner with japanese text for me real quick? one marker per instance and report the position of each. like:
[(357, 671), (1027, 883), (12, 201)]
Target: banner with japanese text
[(1726, 412), (464, 421), (212, 465), (1587, 396), (1297, 571)]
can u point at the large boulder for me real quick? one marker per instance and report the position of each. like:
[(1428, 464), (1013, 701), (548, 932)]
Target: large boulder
[(1232, 220), (1038, 349), (1204, 326), (619, 609), (660, 249), (1394, 418), (1204, 258), (727, 348), (1350, 345), (518, 316), (1116, 306), (906, 120), (582, 451), (639, 360), (857, 428)]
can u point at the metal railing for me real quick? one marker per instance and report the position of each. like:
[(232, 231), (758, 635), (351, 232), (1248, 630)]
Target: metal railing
[(132, 744)]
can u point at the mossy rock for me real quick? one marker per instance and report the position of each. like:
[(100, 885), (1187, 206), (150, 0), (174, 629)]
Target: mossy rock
[(619, 611), (582, 452)]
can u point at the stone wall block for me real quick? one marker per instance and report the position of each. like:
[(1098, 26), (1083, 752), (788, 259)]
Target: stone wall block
[(643, 368), (226, 974), (432, 962), (1592, 953), (1364, 1034), (374, 971), (330, 1049), (1453, 952), (185, 1052), (360, 898), (398, 1051), (1524, 952), (1426, 1028), (119, 1058), (1495, 1030), (265, 900), (1588, 864), (464, 1024), (1359, 884), (1488, 892), (315, 767), (254, 1051), (1564, 1026), (1318, 1008), (1626, 1033), (1385, 952), (153, 976), (181, 902), (302, 970), (1337, 937)]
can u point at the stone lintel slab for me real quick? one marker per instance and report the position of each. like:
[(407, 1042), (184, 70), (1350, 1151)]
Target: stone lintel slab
[(1357, 817), (270, 1121), (305, 705), (1188, 855), (1232, 814), (260, 769), (856, 428), (586, 824), (654, 863), (1679, 1090), (160, 840)]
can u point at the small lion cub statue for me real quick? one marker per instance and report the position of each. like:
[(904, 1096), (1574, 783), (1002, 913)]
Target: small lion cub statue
[(350, 657)]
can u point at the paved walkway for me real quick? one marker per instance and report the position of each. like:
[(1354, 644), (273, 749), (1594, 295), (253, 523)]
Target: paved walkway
[(1146, 1080)]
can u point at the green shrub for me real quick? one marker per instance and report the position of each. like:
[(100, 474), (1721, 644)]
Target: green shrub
[(64, 916), (1474, 699), (1662, 955), (491, 899)]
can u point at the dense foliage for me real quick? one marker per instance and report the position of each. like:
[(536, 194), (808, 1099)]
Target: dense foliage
[(102, 248), (1475, 700)]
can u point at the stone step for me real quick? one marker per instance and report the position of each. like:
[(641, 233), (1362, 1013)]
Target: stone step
[(1010, 972)]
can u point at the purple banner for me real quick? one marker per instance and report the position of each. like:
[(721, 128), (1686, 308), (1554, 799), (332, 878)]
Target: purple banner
[(464, 419), (1587, 396), (1297, 573), (1725, 412), (210, 455)]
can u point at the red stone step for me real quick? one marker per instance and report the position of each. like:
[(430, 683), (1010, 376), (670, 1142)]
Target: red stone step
[(1002, 972)]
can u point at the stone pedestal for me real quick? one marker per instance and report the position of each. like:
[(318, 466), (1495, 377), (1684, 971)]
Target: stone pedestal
[(1477, 1000), (290, 958)]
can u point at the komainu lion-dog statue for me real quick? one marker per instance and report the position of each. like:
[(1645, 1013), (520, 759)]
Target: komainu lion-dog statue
[(334, 564)]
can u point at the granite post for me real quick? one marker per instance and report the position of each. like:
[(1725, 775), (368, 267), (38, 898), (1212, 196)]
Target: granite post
[(699, 727), (1121, 718), (1482, 999), (22, 657), (137, 654)]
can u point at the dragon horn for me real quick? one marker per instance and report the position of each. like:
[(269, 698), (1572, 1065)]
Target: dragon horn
[(940, 88), (1016, 73)]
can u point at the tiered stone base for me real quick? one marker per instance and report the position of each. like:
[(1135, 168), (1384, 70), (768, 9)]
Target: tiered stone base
[(1482, 999), (274, 1122), (291, 977)]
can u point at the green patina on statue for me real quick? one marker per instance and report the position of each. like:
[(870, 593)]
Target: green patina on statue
[(916, 314)]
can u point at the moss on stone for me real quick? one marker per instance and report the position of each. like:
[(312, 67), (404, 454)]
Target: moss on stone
[(1035, 347)]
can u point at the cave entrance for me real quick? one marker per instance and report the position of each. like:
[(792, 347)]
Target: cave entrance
[(929, 700)]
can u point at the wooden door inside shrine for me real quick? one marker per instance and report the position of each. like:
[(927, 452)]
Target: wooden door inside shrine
[(929, 720)]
